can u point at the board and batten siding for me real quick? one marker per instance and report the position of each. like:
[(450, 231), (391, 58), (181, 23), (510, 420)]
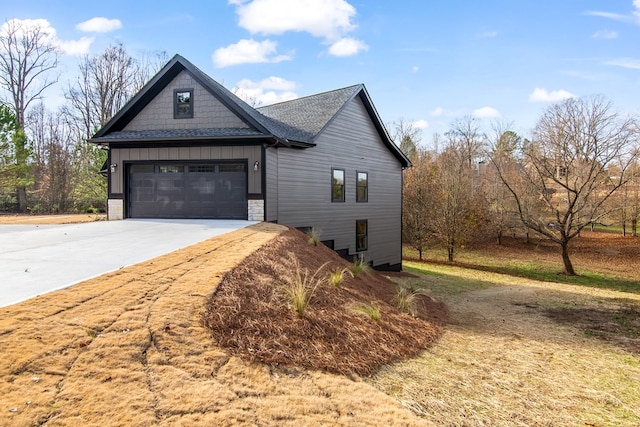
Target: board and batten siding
[(208, 112), (352, 143), (251, 153), (271, 187)]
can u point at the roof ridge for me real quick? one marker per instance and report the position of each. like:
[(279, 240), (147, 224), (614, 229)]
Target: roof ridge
[(302, 98)]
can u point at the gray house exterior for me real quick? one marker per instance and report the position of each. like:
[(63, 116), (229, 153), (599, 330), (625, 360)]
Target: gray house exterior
[(186, 147)]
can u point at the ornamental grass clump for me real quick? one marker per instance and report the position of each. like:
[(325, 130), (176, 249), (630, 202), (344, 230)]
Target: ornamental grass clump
[(407, 299), (372, 311), (300, 286), (314, 236), (359, 266), (336, 277)]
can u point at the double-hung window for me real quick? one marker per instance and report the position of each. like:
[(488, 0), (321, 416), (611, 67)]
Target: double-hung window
[(362, 187), (337, 185), (362, 235)]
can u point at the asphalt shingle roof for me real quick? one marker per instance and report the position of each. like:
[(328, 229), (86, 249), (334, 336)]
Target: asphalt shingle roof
[(152, 134), (310, 114)]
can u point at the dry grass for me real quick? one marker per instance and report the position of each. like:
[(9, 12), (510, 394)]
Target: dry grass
[(505, 361), (51, 219), (129, 348)]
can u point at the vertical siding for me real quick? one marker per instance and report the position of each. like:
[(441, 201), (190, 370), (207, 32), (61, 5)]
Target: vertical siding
[(208, 112), (251, 153), (271, 172), (351, 143)]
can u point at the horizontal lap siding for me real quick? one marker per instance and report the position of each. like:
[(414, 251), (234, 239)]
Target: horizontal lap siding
[(351, 143), (252, 153)]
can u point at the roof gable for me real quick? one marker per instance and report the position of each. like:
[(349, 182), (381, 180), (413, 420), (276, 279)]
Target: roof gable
[(312, 114), (292, 123), (116, 128)]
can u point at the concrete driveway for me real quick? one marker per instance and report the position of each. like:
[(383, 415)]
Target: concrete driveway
[(36, 259)]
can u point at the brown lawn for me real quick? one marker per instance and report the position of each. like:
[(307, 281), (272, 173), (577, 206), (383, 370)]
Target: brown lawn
[(130, 348)]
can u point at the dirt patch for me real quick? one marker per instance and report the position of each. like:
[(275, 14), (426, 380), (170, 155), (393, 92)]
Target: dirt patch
[(617, 324), (249, 314)]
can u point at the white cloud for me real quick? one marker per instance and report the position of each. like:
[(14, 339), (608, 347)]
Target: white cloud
[(99, 25), (420, 124), (605, 34), (441, 112), (347, 47), (248, 51), (486, 112), (268, 91), (415, 69), (76, 47), (488, 35), (609, 15), (67, 47), (543, 95), (634, 64), (328, 19), (437, 112)]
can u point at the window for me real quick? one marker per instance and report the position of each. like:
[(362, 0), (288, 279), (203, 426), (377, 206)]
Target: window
[(337, 185), (183, 104), (362, 187), (171, 168), (362, 233)]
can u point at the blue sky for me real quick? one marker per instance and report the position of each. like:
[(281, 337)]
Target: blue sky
[(425, 61)]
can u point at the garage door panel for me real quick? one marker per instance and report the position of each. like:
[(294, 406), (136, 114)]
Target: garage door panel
[(197, 191)]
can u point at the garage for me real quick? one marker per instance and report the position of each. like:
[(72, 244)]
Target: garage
[(216, 190)]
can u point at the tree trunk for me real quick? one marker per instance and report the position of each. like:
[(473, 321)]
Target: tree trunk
[(634, 227), (420, 254), (624, 228), (499, 237), (22, 199), (568, 266), (450, 253)]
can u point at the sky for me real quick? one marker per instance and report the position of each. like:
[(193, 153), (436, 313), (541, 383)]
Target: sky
[(427, 62)]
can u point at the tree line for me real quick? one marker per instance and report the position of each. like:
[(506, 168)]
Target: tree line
[(580, 168), (46, 163)]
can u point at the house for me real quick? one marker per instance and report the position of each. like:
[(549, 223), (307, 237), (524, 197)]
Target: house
[(186, 147)]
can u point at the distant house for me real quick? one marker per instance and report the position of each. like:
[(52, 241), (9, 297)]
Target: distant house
[(186, 147)]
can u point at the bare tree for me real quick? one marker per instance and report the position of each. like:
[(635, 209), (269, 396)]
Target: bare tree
[(407, 136), (27, 55), (577, 143), (54, 160), (468, 139)]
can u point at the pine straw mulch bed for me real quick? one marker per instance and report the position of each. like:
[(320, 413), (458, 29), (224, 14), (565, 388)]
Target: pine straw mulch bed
[(250, 316)]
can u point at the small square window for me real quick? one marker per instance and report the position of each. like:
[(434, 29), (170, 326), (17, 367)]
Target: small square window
[(362, 235), (362, 187), (337, 185), (183, 104)]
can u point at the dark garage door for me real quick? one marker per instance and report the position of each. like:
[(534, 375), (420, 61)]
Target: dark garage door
[(175, 190)]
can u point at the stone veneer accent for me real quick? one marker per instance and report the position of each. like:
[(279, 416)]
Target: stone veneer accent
[(115, 209), (256, 210)]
